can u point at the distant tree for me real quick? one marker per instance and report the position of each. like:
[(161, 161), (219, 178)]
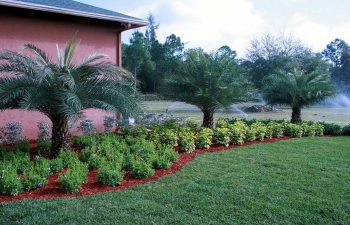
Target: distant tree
[(209, 81), (137, 59), (62, 90), (298, 88), (270, 54), (150, 34), (337, 53)]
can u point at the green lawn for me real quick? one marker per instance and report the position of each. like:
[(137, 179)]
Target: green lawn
[(339, 116), (300, 181)]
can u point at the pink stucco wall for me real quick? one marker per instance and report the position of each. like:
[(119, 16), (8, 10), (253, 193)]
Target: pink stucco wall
[(16, 30)]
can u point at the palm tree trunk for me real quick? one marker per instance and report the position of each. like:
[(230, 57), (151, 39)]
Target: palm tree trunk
[(60, 135), (296, 115), (208, 119)]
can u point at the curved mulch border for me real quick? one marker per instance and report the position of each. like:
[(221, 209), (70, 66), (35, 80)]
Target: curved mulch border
[(53, 190)]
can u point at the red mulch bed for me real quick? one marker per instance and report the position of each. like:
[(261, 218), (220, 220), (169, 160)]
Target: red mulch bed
[(53, 190)]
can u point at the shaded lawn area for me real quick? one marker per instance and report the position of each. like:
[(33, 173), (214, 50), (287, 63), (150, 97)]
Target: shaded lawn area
[(300, 181)]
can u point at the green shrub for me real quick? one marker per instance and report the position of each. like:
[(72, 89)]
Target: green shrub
[(44, 146), (141, 169), (169, 153), (277, 129), (42, 167), (68, 157), (268, 132), (187, 140), (319, 129), (237, 134), (346, 130), (128, 162), (21, 161), (205, 138), (143, 150), (260, 130), (110, 174), (168, 137), (250, 134), (23, 146), (86, 140), (294, 130), (308, 130), (161, 162), (74, 178), (10, 183), (56, 165), (87, 152), (222, 136), (95, 161), (33, 181), (193, 125), (222, 123), (139, 131), (331, 128)]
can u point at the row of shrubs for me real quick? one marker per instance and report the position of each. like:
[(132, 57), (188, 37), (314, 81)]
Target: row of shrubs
[(112, 155), (139, 151), (190, 135)]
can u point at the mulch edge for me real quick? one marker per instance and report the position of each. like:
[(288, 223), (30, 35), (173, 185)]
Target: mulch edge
[(92, 187)]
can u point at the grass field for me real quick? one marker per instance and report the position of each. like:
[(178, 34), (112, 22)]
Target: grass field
[(333, 115), (300, 181)]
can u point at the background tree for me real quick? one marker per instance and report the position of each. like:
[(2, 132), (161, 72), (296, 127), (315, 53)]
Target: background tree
[(269, 54), (299, 88), (208, 81), (61, 90), (337, 54), (137, 59)]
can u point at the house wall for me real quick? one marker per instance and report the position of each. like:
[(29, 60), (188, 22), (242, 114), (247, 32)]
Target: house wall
[(18, 27)]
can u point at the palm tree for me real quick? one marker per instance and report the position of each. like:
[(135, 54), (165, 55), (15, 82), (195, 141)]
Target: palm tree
[(61, 89), (208, 81), (297, 89)]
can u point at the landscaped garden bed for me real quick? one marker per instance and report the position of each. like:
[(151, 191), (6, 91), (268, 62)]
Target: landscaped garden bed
[(104, 162)]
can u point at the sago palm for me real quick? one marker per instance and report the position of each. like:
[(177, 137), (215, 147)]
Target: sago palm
[(297, 89), (208, 81), (62, 89)]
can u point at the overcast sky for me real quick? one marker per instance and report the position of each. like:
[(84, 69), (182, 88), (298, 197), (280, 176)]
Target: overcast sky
[(212, 23)]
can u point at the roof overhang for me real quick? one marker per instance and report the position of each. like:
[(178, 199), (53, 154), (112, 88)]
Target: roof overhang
[(128, 23)]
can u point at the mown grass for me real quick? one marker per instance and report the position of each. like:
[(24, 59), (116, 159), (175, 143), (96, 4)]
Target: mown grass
[(300, 181), (331, 115)]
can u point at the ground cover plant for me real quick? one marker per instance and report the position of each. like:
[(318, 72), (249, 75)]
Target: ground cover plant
[(303, 181), (138, 152)]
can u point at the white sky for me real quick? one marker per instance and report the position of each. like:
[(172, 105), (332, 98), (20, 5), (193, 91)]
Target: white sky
[(209, 24)]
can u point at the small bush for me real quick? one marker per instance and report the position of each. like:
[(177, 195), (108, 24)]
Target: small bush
[(10, 183), (192, 125), (141, 169), (44, 147), (308, 130), (346, 130), (56, 165), (237, 135), (68, 157), (86, 140), (331, 128), (168, 152), (260, 130), (14, 132), (250, 134), (222, 123), (42, 167), (33, 181), (205, 138), (143, 150), (110, 174), (74, 178), (161, 162), (95, 161), (319, 129), (44, 131), (294, 130), (168, 137), (23, 146), (222, 136), (187, 140), (277, 129)]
